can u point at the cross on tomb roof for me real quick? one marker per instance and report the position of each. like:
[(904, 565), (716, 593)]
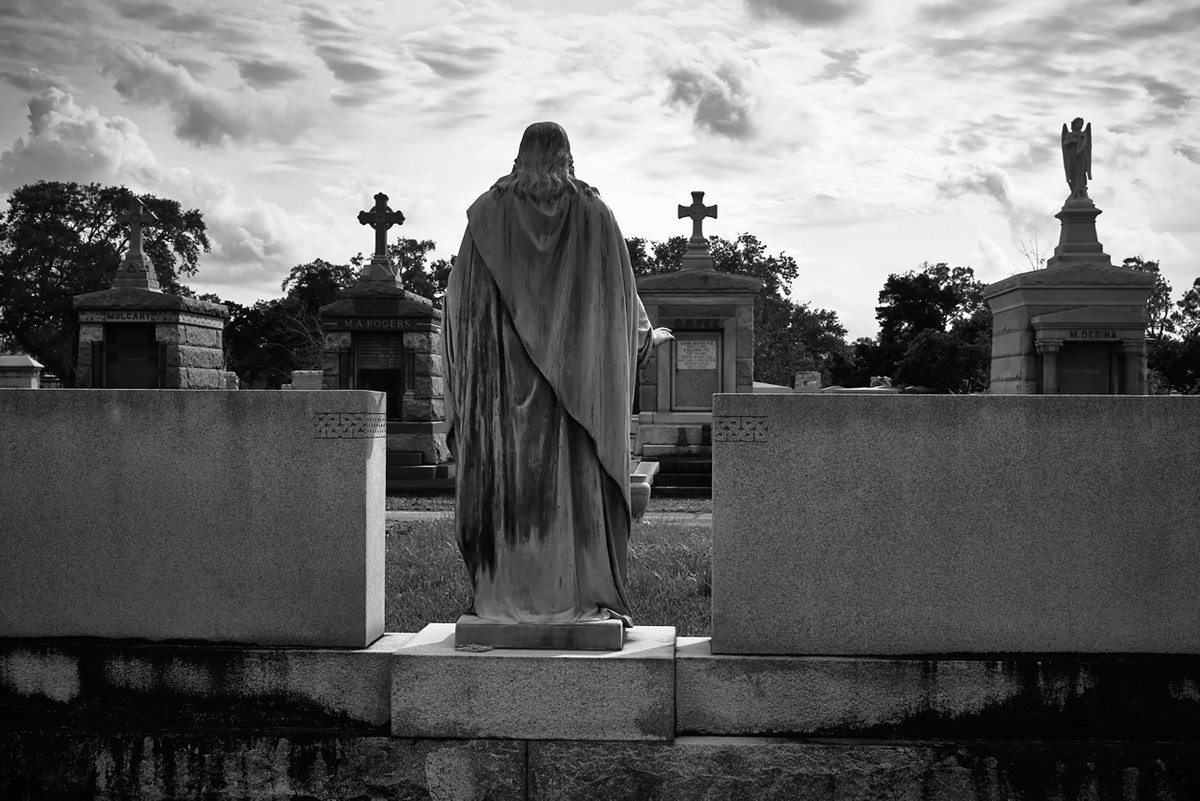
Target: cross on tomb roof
[(697, 211), (381, 218), (136, 269)]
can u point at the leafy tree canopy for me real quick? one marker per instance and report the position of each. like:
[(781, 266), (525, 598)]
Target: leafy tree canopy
[(934, 331), (59, 240)]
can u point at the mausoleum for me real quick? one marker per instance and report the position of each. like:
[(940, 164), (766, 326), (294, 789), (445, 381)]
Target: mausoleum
[(135, 336), (380, 336), (1077, 327), (712, 317)]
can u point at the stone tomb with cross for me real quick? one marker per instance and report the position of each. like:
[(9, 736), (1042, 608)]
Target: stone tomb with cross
[(712, 317), (380, 336), (1078, 327), (135, 336)]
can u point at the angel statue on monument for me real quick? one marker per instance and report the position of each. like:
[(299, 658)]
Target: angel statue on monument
[(1077, 156)]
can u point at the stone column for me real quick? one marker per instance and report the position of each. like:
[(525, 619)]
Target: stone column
[(1048, 350), (1134, 354)]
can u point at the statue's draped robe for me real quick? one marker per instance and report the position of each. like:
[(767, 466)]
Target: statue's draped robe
[(542, 332)]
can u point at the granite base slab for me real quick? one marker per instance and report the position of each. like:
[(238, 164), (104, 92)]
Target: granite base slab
[(597, 635), (89, 685), (438, 691), (756, 768), (1018, 698)]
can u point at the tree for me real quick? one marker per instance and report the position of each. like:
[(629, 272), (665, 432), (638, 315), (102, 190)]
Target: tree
[(1159, 307), (265, 342), (787, 336), (1173, 333), (934, 331), (59, 240)]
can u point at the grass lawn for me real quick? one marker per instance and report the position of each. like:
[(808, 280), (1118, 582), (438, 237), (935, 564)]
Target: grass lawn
[(669, 582)]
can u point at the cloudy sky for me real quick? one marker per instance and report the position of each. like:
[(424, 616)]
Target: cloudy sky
[(862, 137)]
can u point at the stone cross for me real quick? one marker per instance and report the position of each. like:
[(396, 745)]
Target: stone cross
[(136, 270), (381, 218), (697, 211)]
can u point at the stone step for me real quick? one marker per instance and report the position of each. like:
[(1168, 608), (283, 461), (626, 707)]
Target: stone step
[(405, 486), (678, 466), (682, 480), (681, 492), (398, 458), (421, 471)]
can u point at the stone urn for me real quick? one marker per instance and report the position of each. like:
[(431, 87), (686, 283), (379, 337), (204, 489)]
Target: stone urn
[(639, 494)]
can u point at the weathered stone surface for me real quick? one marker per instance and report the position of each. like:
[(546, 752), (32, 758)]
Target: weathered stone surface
[(752, 768), (93, 685), (860, 524), (300, 766), (147, 300), (91, 332), (429, 387), (428, 364), (124, 509), (1061, 697), (195, 357), (421, 341), (200, 378), (431, 445), (423, 409), (599, 635), (438, 691)]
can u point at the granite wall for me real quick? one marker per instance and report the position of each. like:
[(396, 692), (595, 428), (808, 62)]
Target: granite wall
[(252, 517), (903, 524)]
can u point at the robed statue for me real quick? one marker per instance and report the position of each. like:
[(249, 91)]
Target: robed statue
[(543, 332), (1077, 155)]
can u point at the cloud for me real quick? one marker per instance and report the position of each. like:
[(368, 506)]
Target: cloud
[(453, 61), (338, 43), (31, 79), (69, 142), (957, 12), (262, 74), (150, 10), (989, 181), (254, 242), (1172, 24), (843, 64), (720, 99), (165, 17), (203, 115), (1166, 94), (808, 12)]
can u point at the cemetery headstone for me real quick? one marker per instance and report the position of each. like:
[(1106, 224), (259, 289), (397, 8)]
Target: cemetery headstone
[(134, 336), (380, 336), (808, 381), (19, 371), (1078, 327)]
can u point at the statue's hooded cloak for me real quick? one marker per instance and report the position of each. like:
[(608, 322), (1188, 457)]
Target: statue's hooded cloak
[(542, 332)]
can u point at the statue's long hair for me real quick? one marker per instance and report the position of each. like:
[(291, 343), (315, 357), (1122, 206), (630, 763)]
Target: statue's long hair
[(544, 170)]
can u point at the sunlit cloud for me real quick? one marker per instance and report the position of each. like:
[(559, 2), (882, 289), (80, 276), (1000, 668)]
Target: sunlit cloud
[(203, 115)]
